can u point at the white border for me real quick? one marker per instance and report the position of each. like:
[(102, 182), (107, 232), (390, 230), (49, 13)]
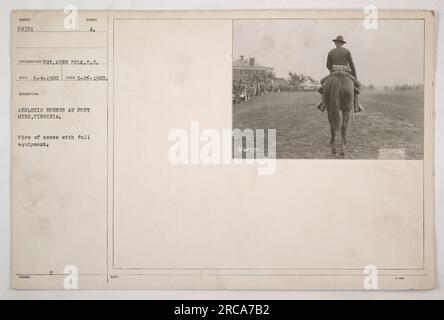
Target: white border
[(5, 9)]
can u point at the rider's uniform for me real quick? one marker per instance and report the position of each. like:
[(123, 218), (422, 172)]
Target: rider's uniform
[(340, 57)]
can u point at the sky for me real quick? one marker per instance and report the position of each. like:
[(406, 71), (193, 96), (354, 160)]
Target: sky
[(392, 54)]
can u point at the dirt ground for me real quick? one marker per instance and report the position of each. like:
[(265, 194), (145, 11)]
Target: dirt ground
[(391, 120)]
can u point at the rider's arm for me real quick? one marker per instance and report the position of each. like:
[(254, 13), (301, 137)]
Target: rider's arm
[(329, 62), (351, 64)]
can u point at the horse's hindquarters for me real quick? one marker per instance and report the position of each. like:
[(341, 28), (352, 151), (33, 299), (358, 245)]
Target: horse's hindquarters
[(338, 99)]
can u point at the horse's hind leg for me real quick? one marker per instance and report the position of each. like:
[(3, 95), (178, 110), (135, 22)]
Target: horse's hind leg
[(332, 133), (332, 136), (333, 140), (345, 118)]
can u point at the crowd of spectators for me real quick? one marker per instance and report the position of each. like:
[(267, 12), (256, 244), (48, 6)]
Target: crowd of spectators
[(246, 90)]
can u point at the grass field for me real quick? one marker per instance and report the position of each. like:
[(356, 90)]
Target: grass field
[(391, 120)]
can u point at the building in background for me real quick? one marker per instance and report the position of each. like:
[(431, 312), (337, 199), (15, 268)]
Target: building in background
[(280, 82), (249, 69)]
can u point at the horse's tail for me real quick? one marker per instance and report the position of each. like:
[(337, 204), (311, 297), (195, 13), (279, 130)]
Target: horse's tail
[(335, 104)]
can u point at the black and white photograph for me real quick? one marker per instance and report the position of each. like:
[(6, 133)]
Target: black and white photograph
[(332, 88), (260, 151)]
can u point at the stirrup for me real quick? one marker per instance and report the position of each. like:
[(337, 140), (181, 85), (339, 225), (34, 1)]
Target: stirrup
[(358, 108), (321, 107)]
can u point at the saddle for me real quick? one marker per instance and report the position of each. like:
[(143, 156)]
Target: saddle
[(344, 72)]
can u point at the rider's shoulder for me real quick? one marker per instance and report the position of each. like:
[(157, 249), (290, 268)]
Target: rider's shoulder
[(339, 50)]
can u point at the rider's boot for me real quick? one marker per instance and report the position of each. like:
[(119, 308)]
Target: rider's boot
[(356, 106), (321, 105)]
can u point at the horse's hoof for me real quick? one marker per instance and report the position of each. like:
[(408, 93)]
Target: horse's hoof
[(342, 151)]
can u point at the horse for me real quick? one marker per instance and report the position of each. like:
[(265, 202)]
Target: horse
[(338, 97)]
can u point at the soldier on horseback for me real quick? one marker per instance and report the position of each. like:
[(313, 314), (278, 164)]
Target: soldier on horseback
[(339, 59)]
